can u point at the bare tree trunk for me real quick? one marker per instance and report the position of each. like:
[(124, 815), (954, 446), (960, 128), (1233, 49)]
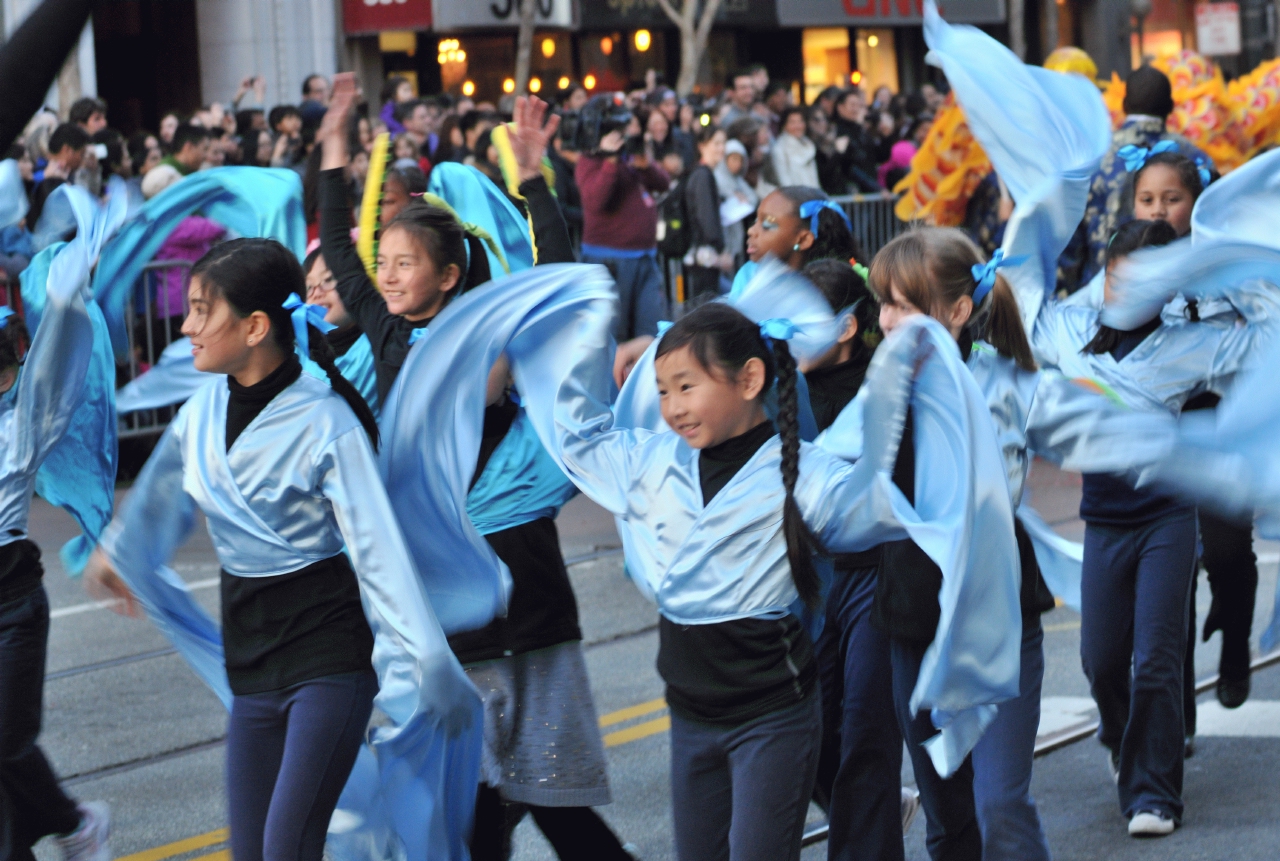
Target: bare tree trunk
[(694, 33), (69, 82), (524, 44), (1018, 28)]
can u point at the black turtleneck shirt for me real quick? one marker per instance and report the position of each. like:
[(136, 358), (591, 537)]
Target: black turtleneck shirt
[(831, 388), (728, 673), (283, 630)]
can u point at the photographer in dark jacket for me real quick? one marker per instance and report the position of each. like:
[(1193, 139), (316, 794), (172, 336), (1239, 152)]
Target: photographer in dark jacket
[(620, 217)]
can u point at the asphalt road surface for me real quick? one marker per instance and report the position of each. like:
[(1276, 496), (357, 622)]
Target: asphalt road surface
[(127, 722)]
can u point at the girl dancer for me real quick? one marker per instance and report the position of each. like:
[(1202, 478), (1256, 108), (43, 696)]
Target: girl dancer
[(734, 651), (528, 665), (280, 465), (351, 350), (40, 389)]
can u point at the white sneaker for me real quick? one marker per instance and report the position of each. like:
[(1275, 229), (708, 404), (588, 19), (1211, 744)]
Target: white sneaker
[(89, 841), (1148, 823), (910, 807)]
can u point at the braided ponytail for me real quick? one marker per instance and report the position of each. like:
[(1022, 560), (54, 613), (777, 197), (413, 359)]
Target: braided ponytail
[(800, 540), (321, 352)]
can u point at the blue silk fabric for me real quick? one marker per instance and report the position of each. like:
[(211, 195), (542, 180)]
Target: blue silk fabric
[(520, 483), (248, 201), (295, 488), (13, 194), (728, 560), (79, 473), (174, 378), (478, 201)]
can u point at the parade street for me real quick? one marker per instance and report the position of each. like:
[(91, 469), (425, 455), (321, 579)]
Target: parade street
[(127, 722)]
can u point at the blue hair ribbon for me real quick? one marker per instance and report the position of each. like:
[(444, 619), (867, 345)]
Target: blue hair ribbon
[(1202, 167), (5, 313), (811, 208), (663, 326), (303, 315), (1135, 157), (416, 335), (778, 329), (984, 274)]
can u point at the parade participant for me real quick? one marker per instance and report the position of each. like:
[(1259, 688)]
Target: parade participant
[(312, 637), (42, 382), (352, 353)]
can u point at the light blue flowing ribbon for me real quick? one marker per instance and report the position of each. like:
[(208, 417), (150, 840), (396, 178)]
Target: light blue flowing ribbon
[(303, 315), (1135, 157), (417, 335), (810, 209), (778, 329), (984, 274), (5, 313)]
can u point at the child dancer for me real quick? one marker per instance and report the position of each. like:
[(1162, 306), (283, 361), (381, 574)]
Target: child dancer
[(737, 659), (40, 389), (351, 349), (279, 463)]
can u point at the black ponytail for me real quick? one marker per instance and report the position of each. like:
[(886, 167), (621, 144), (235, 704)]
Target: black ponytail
[(800, 540), (1128, 238), (14, 342), (258, 275), (719, 335), (833, 240)]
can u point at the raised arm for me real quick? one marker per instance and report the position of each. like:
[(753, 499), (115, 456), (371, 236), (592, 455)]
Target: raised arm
[(530, 134)]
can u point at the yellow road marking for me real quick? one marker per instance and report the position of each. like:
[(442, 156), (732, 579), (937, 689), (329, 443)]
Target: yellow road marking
[(633, 712), (180, 847), (639, 731)]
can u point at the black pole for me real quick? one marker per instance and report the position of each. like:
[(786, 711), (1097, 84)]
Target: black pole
[(31, 59)]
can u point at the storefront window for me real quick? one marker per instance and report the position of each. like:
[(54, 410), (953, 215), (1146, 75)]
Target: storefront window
[(877, 60), (1166, 30), (826, 59)]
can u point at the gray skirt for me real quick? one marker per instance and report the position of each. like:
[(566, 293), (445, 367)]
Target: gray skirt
[(541, 737)]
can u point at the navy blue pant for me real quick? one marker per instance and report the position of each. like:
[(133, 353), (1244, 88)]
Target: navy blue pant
[(1007, 813), (642, 295), (860, 773), (31, 802), (741, 793), (951, 826), (289, 753), (1134, 597)]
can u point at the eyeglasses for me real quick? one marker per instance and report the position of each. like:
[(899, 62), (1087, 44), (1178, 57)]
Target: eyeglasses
[(328, 284)]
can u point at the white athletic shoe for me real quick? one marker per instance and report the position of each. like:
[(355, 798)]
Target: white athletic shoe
[(89, 841), (1148, 823), (910, 807)]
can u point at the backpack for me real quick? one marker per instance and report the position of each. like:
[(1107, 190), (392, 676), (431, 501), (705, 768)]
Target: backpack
[(674, 233)]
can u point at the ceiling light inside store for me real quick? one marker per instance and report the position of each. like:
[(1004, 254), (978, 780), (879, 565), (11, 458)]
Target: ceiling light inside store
[(564, 82), (873, 40), (535, 84), (509, 85), (606, 46), (468, 88), (643, 40), (548, 47), (589, 82)]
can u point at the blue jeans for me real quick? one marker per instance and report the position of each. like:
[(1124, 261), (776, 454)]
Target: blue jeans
[(289, 753), (642, 295), (741, 793), (1002, 767), (32, 804), (1134, 598), (862, 748), (951, 826)]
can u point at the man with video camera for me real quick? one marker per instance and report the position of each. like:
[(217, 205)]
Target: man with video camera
[(618, 179)]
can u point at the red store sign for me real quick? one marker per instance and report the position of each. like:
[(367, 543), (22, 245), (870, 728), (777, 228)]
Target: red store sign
[(371, 16)]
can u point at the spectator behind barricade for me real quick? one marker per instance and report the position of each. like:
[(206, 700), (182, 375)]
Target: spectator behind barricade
[(672, 147), (188, 150), (826, 101), (16, 249), (189, 241), (884, 134), (777, 98), (404, 151), (451, 141), (168, 127), (67, 146), (89, 114), (825, 158), (472, 125), (395, 91), (421, 119), (620, 229), (794, 155), (933, 98), (736, 195), (1148, 101), (286, 123), (576, 98), (881, 98), (315, 100), (687, 117), (707, 259), (853, 141), (742, 94), (485, 160), (564, 158), (26, 166)]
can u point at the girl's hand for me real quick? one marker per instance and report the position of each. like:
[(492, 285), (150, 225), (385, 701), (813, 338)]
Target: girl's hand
[(332, 133), (629, 352), (530, 131), (104, 584)]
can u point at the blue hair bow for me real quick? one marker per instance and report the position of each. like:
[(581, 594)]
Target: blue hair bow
[(778, 329), (984, 274), (416, 335), (810, 209), (303, 315), (1135, 157), (1202, 167), (5, 313)]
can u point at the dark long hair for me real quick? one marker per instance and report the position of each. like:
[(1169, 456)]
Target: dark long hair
[(842, 286), (258, 275), (1128, 238), (932, 267), (834, 240), (446, 243), (14, 342), (720, 336), (1188, 172)]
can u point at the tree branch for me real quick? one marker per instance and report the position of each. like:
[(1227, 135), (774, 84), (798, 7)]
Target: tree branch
[(666, 7), (708, 16)]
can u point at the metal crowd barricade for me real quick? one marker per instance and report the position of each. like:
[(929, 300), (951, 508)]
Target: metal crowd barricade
[(874, 221), (152, 323)]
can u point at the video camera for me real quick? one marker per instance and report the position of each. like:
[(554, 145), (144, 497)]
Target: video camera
[(582, 131)]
